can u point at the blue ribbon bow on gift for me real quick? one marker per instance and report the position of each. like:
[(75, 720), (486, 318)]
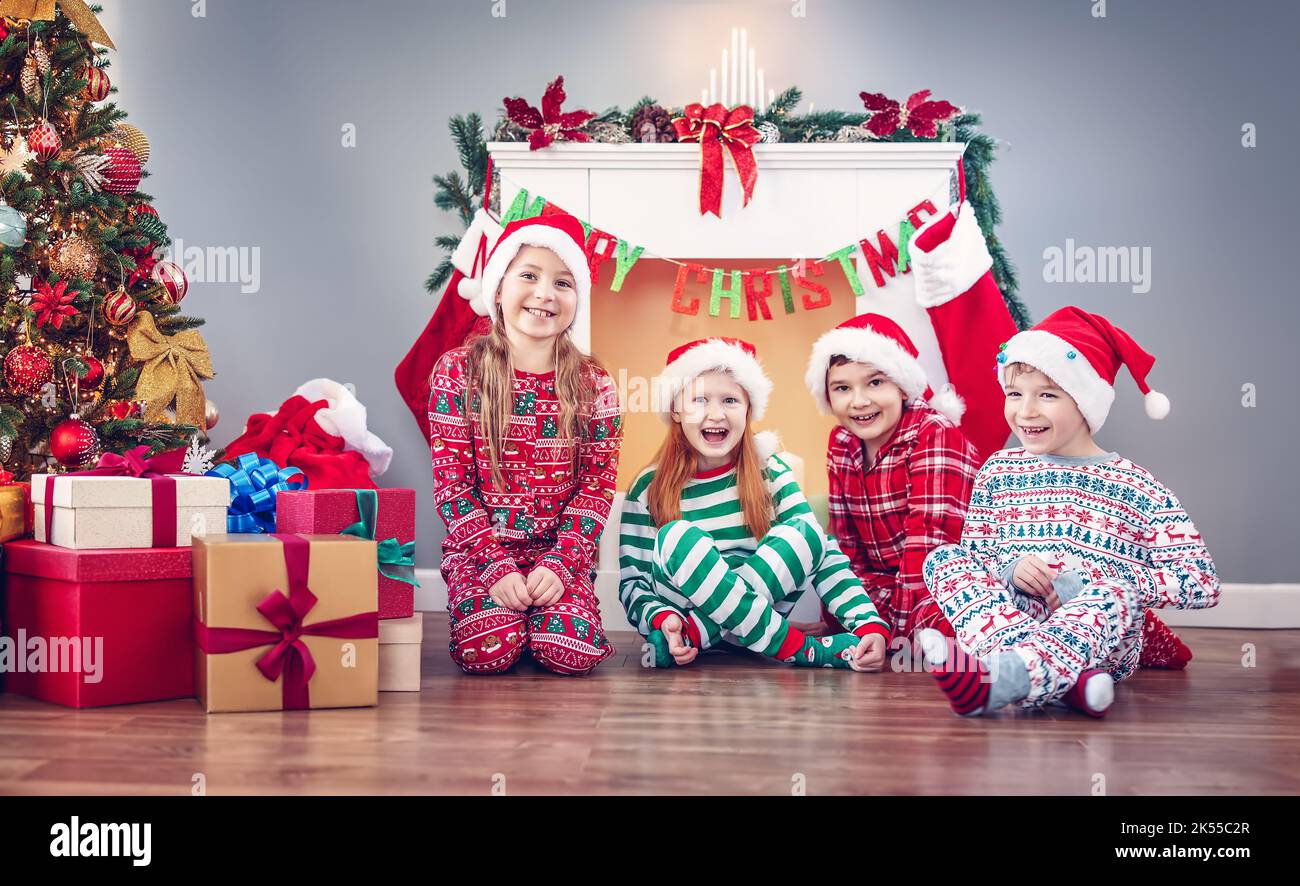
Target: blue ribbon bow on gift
[(254, 484)]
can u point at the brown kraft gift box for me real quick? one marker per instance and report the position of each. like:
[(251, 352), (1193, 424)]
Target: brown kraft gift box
[(248, 659)]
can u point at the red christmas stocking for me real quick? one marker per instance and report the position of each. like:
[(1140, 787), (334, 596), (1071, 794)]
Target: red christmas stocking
[(955, 285), (452, 323)]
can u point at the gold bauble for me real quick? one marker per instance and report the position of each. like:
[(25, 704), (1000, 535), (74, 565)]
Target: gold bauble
[(211, 414), (133, 139), (74, 257)]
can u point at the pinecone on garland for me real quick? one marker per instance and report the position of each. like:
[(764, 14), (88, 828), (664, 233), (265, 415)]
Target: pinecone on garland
[(653, 124)]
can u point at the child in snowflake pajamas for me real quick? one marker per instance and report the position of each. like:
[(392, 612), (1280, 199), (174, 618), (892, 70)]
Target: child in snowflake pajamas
[(1065, 546), (525, 434), (717, 542)]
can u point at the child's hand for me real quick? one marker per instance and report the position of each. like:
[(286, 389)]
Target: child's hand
[(869, 654), (544, 586), (1033, 576), (678, 645), (511, 592)]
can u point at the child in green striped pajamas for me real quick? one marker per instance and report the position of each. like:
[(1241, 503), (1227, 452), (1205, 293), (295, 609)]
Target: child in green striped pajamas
[(717, 543)]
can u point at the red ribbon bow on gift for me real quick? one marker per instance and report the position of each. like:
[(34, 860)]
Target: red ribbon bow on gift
[(133, 463), (713, 127), (288, 656)]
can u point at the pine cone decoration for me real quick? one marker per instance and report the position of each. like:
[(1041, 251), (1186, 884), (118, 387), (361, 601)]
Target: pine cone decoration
[(652, 123)]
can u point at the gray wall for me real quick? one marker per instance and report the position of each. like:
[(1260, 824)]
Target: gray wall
[(1121, 131)]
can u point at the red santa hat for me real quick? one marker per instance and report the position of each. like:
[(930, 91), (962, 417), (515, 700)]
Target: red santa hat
[(878, 340), (562, 234), (1082, 353), (693, 359)]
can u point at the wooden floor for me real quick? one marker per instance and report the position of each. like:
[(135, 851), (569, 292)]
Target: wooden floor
[(728, 724)]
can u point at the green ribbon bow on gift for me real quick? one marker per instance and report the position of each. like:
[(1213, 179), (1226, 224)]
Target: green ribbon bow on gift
[(396, 560)]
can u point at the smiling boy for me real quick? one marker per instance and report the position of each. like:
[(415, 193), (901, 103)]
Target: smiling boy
[(1066, 546), (899, 468)]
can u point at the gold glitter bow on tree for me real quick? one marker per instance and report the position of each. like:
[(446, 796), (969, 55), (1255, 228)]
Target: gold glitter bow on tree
[(43, 10), (173, 365)]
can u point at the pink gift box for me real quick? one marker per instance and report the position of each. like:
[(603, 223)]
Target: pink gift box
[(329, 511)]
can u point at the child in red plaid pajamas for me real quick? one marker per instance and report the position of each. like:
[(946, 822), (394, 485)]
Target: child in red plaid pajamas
[(525, 434), (900, 469)]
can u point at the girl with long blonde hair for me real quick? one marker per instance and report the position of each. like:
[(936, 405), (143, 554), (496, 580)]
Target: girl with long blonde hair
[(525, 434)]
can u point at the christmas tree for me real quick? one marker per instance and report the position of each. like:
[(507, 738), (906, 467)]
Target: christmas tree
[(96, 353)]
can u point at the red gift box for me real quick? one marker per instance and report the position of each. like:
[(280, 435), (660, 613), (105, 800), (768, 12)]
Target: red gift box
[(134, 606), (330, 511)]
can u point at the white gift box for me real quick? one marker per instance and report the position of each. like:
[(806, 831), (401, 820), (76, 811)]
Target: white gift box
[(399, 653), (117, 512)]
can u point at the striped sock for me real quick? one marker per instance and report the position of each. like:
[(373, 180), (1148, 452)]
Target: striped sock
[(1092, 694), (962, 678)]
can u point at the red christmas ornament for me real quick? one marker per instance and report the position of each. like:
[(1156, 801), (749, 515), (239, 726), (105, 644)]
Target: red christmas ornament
[(550, 123), (53, 304), (172, 279), (119, 307), (27, 369), (143, 209), (94, 373), (44, 140), (122, 176), (126, 408), (97, 83), (921, 115), (74, 443)]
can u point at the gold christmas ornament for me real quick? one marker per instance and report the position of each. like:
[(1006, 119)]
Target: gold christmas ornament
[(30, 79), (172, 368), (133, 140), (211, 415), (42, 57), (74, 257)]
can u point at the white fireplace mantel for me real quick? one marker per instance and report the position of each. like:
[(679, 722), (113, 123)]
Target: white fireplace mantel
[(810, 199)]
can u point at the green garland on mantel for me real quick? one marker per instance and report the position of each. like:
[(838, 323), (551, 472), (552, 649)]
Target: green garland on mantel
[(462, 195)]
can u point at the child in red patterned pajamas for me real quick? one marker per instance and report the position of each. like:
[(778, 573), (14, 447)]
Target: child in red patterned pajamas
[(525, 434)]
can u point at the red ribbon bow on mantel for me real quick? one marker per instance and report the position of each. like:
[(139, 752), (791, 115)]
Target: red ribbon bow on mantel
[(288, 656), (713, 127)]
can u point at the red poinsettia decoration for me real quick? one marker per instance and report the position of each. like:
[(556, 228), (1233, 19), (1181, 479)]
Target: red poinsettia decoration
[(550, 123), (53, 303), (144, 262), (920, 114)]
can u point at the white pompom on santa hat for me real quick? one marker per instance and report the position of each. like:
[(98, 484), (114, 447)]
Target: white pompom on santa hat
[(878, 340), (470, 257), (345, 417), (691, 360), (559, 232), (1082, 353)]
